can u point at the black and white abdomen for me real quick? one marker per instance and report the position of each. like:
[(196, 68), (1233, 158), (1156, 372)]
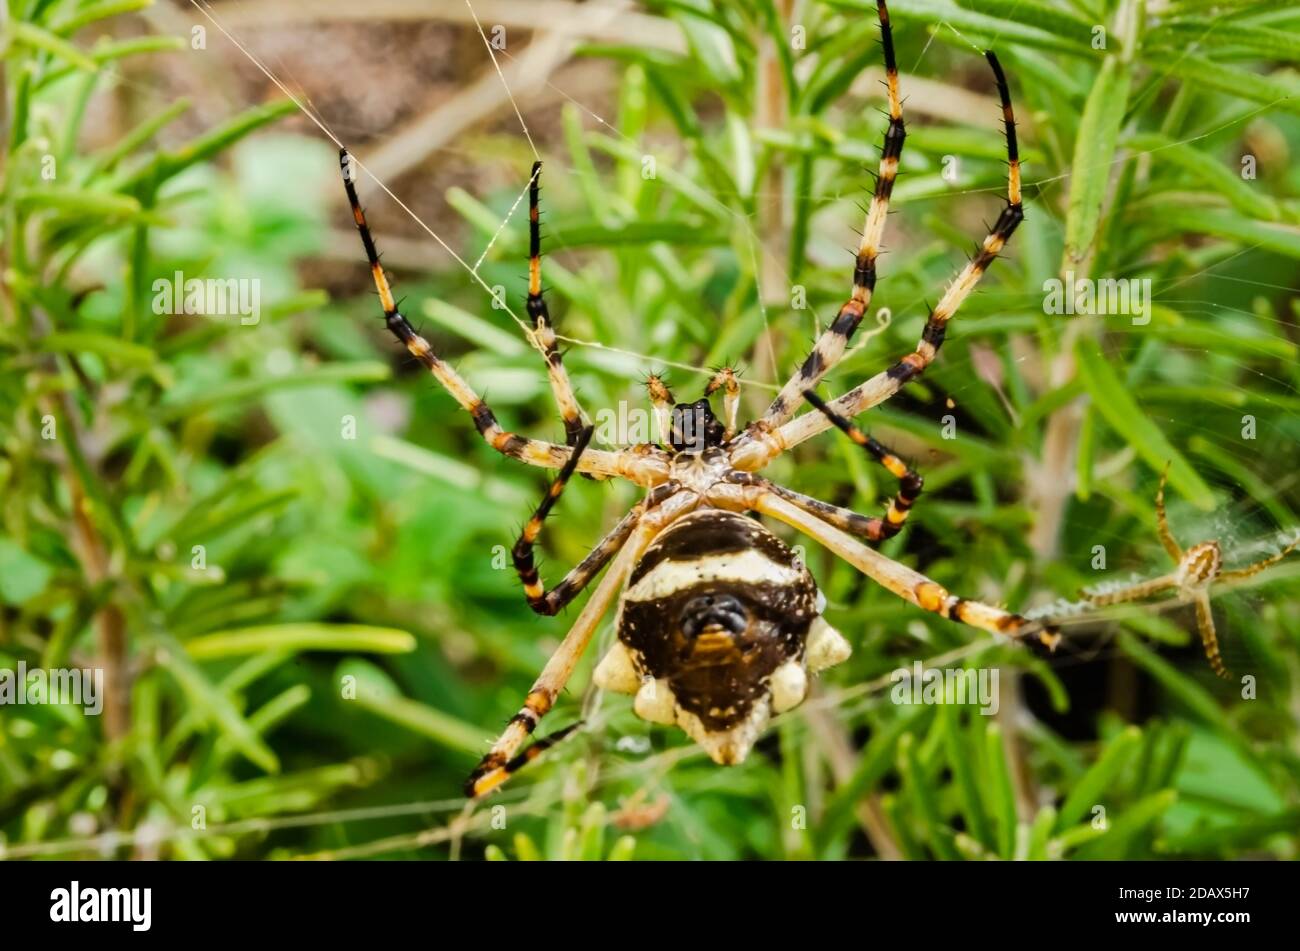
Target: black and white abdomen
[(718, 628)]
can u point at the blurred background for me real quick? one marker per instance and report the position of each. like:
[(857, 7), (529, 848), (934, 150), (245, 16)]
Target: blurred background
[(288, 549)]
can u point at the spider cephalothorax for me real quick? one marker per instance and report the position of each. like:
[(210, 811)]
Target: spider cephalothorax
[(694, 428), (1198, 568), (719, 624)]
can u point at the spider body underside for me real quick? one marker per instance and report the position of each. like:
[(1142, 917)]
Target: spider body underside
[(718, 623), (717, 629)]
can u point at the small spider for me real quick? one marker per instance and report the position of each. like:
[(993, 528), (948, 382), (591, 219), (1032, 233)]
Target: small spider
[(719, 622), (1196, 570)]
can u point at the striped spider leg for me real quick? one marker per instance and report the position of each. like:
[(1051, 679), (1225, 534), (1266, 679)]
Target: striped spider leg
[(644, 465), (830, 346), (829, 524), (543, 330), (906, 583), (661, 506), (760, 444), (910, 484), (1196, 570), (551, 602)]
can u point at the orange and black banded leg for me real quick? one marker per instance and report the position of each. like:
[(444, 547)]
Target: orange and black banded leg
[(909, 481), (869, 527), (761, 446), (550, 603), (905, 582), (530, 753), (522, 553), (561, 387), (936, 325), (496, 766), (642, 470), (830, 346)]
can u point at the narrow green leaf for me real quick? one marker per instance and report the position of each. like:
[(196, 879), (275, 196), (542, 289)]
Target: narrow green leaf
[(1280, 90), (29, 34), (1094, 155), (1128, 822), (1238, 834), (111, 348), (1091, 788), (92, 12), (1001, 794), (377, 694), (80, 200), (1118, 408), (1191, 694), (1208, 171), (1172, 219), (918, 785), (238, 391), (872, 765), (218, 707), (953, 23), (300, 637), (963, 770)]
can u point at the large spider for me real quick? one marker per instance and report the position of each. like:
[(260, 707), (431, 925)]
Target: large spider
[(719, 623)]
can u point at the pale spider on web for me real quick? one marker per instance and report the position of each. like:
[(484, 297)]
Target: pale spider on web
[(1196, 570), (718, 621)]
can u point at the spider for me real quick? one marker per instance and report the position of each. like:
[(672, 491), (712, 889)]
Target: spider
[(1196, 570), (719, 623)]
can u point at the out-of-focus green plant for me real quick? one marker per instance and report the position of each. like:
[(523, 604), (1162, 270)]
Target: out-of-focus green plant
[(139, 533), (702, 221)]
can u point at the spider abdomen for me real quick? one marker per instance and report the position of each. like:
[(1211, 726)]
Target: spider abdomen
[(714, 631)]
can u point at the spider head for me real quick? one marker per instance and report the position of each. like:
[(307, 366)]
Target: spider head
[(694, 428)]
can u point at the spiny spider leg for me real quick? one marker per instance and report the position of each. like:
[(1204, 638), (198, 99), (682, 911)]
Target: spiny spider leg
[(909, 481), (536, 749), (550, 603), (835, 339), (756, 448), (565, 399), (494, 768), (870, 527), (641, 468), (910, 585)]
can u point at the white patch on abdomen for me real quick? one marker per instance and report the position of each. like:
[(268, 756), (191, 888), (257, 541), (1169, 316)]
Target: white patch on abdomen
[(750, 566)]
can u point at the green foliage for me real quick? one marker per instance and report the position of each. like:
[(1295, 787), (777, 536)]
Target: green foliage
[(323, 631)]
